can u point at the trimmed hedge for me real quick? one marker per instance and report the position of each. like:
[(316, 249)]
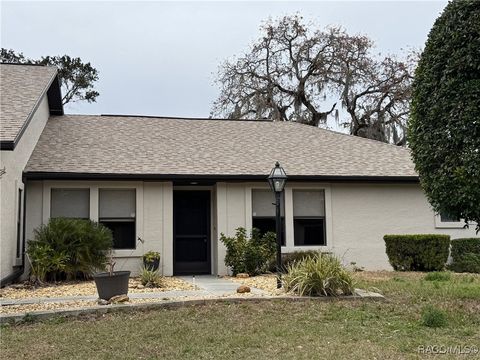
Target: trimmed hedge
[(420, 252), (465, 255)]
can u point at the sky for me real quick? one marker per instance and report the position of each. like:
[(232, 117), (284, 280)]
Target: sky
[(160, 58)]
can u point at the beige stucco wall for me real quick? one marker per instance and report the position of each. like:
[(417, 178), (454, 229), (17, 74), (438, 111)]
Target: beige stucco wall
[(363, 213), (14, 163), (357, 217), (154, 217)]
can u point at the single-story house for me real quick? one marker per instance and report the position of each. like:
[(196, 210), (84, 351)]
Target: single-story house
[(174, 185)]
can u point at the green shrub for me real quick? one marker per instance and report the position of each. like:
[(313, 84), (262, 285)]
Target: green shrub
[(424, 252), (289, 258), (438, 276), (151, 256), (150, 278), (433, 317), (465, 255), (68, 248), (249, 254), (319, 275), (44, 261)]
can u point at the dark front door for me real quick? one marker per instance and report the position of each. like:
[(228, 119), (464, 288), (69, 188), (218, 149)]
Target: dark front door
[(191, 232)]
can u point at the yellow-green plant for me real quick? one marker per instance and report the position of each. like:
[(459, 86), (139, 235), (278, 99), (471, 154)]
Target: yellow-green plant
[(150, 278), (318, 275)]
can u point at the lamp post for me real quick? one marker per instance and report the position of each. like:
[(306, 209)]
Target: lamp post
[(277, 180)]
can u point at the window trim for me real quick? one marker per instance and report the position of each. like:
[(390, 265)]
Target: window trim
[(94, 185), (20, 222), (289, 231), (120, 219)]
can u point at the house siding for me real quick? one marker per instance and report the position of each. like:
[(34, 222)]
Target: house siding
[(14, 162), (363, 213), (357, 218)]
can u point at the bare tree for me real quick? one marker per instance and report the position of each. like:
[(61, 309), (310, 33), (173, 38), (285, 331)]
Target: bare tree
[(297, 73)]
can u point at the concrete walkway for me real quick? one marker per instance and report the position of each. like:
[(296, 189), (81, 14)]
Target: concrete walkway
[(217, 286), (208, 285)]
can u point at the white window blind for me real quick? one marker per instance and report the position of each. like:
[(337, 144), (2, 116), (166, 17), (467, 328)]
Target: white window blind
[(70, 203), (117, 203), (263, 203), (308, 203)]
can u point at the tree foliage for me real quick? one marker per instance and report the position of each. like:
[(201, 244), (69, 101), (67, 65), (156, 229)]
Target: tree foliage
[(444, 128), (296, 72), (77, 78)]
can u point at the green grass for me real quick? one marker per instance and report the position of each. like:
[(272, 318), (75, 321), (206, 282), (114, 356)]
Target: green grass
[(334, 329)]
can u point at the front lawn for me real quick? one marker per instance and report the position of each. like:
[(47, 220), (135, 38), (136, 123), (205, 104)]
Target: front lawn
[(278, 329)]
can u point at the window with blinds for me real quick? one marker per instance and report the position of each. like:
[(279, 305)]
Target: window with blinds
[(117, 211), (263, 212), (70, 203), (309, 217)]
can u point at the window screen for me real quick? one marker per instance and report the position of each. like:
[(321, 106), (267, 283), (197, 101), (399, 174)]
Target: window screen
[(263, 212), (263, 203), (117, 211), (117, 203), (70, 203), (309, 217)]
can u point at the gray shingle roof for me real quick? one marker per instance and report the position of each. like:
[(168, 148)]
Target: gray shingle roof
[(21, 87), (168, 146)]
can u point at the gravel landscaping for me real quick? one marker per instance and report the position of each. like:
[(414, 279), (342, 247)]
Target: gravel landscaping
[(266, 282), (84, 288)]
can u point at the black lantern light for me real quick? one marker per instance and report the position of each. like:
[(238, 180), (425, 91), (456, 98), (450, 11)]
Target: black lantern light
[(277, 180)]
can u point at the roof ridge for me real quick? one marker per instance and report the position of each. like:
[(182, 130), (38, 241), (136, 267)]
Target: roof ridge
[(171, 117), (378, 142), (351, 136)]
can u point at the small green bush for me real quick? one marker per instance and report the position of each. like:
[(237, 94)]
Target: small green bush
[(465, 255), (424, 252), (68, 248), (249, 254), (433, 317), (438, 276), (319, 275), (290, 258), (150, 278)]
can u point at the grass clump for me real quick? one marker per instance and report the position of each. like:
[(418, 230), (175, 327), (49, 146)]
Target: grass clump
[(438, 276), (319, 275), (433, 317), (150, 278)]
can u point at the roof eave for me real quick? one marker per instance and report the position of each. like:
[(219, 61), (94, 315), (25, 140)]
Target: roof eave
[(39, 175), (55, 106)]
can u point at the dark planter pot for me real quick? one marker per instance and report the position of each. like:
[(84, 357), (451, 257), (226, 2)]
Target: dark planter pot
[(152, 265), (110, 286)]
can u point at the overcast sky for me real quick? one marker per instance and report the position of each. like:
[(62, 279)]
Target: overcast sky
[(159, 58)]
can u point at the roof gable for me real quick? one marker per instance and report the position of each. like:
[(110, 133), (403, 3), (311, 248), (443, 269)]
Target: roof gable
[(21, 90), (82, 145)]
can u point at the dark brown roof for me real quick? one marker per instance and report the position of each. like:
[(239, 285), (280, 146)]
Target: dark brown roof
[(21, 89), (146, 146)]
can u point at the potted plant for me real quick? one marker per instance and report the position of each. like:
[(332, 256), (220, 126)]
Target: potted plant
[(111, 283), (151, 260)]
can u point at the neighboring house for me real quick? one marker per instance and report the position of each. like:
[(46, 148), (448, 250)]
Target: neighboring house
[(28, 96), (174, 185)]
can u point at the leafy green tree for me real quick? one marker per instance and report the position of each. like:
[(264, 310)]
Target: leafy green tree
[(77, 78), (444, 127)]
